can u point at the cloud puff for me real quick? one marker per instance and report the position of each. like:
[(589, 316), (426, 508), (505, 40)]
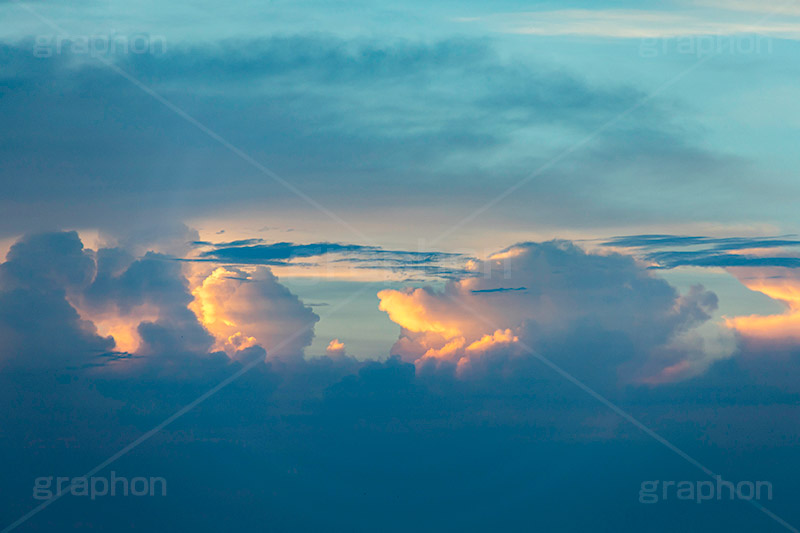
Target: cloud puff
[(563, 298), (50, 261), (335, 348), (143, 303), (62, 305), (242, 308), (38, 326)]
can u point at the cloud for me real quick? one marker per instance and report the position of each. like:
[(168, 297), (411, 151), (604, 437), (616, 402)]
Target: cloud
[(248, 252), (769, 267), (499, 289), (353, 439), (63, 305), (38, 326), (715, 243), (143, 303), (350, 106), (328, 260), (762, 252), (573, 299), (767, 7), (642, 24), (242, 309), (770, 334), (706, 259), (259, 252), (335, 348), (48, 262)]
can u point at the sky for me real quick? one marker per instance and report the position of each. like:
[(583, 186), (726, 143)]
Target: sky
[(359, 266)]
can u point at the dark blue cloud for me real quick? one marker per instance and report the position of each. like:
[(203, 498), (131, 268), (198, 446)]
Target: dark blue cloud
[(709, 251), (715, 243), (710, 259), (258, 252), (38, 326), (357, 442), (247, 252), (499, 289)]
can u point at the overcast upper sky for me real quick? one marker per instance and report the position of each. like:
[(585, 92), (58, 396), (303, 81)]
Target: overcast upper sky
[(375, 266)]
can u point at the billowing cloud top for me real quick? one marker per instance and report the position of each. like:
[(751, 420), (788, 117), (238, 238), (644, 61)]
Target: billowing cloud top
[(92, 304), (553, 296)]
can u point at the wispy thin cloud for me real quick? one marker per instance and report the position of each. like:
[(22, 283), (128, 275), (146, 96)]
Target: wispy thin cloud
[(778, 7), (725, 252), (640, 24)]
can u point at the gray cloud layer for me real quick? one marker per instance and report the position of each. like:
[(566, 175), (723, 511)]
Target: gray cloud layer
[(389, 119)]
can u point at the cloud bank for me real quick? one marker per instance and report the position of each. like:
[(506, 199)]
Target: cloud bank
[(555, 298), (92, 304), (357, 439)]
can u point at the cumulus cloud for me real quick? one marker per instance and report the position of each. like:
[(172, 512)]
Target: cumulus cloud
[(242, 308), (50, 261), (765, 343), (562, 295), (38, 326), (61, 305), (336, 348), (143, 304)]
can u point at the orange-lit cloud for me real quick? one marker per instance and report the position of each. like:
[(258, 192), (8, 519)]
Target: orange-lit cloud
[(415, 311), (146, 304), (499, 337), (122, 327), (243, 308), (436, 330), (451, 350), (780, 284), (335, 348), (554, 297)]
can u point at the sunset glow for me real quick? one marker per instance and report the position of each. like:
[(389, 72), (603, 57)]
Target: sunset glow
[(306, 266), (782, 329)]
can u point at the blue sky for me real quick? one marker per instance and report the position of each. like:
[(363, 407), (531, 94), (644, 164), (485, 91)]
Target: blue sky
[(451, 265)]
